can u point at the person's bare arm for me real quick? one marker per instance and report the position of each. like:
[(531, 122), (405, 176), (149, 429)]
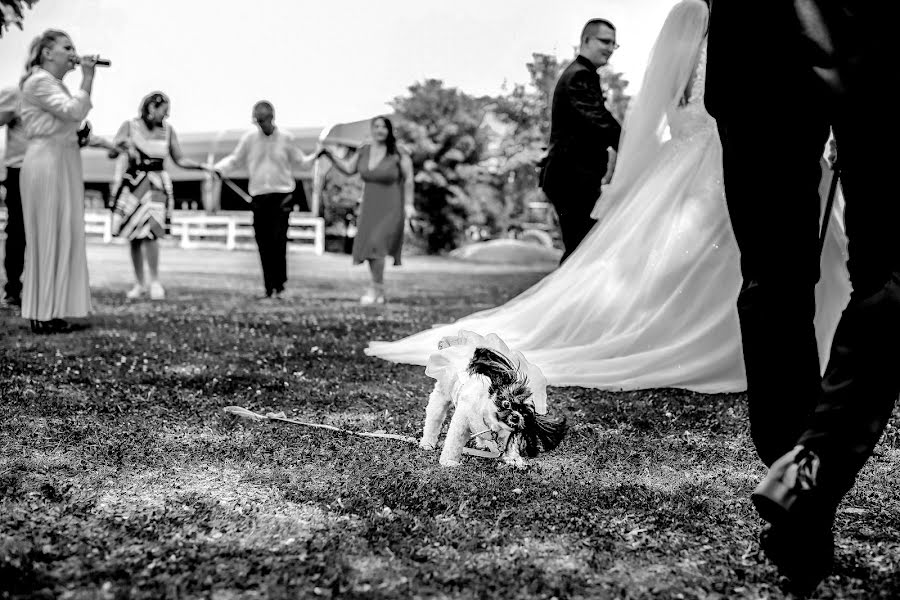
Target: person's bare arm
[(409, 186), (348, 166)]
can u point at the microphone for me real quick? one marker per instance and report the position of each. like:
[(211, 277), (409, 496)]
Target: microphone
[(101, 62)]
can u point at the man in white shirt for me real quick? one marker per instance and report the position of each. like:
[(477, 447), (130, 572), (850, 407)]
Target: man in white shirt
[(16, 144), (269, 155)]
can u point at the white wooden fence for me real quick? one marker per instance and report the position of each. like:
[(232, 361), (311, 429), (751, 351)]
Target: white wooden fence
[(196, 229)]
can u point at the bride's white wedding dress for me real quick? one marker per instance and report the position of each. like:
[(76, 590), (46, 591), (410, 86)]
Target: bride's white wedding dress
[(648, 299)]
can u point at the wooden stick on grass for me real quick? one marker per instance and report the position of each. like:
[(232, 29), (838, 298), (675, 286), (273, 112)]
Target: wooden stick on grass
[(280, 416)]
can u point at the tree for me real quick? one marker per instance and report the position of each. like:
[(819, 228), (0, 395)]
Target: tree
[(12, 12), (441, 127), (341, 195), (526, 111), (526, 114), (544, 70), (614, 87), (474, 157)]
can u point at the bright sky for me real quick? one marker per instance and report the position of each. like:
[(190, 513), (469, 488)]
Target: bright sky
[(318, 62)]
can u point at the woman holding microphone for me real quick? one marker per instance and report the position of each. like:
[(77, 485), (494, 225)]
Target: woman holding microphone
[(56, 274)]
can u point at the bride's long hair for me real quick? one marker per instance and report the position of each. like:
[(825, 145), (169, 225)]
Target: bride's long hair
[(669, 71)]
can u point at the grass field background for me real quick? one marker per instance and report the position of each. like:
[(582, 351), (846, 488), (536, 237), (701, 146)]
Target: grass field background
[(120, 476)]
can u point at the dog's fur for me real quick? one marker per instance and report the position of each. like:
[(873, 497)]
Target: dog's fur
[(492, 394)]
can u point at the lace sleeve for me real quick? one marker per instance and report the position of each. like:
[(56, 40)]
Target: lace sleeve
[(698, 82), (673, 59)]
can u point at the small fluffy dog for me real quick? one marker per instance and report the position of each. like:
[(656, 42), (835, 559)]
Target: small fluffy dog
[(500, 400)]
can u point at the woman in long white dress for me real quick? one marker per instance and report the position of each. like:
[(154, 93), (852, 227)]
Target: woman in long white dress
[(648, 299), (56, 274)]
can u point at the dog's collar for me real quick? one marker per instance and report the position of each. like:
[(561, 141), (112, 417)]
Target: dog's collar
[(485, 453)]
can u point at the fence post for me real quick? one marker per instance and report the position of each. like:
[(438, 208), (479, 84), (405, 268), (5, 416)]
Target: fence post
[(231, 238), (186, 234), (107, 228), (320, 236)]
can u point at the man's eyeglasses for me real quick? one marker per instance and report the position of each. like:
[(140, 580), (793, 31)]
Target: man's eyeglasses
[(607, 42)]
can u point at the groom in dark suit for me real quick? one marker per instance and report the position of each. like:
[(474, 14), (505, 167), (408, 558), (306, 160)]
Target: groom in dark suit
[(815, 433), (581, 130)]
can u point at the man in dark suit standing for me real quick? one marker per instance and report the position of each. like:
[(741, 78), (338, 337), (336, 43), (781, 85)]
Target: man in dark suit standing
[(815, 433), (581, 130)]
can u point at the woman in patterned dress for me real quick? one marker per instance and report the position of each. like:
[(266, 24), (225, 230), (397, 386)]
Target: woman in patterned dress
[(143, 189), (387, 202)]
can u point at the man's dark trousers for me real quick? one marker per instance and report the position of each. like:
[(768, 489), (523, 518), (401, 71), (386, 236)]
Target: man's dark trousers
[(573, 207), (14, 257), (771, 164), (270, 225)]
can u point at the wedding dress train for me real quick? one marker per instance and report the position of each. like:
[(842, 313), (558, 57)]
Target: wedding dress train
[(648, 299)]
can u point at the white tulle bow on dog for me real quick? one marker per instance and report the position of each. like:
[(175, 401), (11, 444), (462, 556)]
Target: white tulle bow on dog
[(499, 398)]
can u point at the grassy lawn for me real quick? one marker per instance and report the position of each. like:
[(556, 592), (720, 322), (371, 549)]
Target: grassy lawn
[(120, 476)]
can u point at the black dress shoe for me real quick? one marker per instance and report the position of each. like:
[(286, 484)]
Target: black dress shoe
[(39, 327), (60, 326), (800, 542), (63, 326), (789, 478), (802, 552)]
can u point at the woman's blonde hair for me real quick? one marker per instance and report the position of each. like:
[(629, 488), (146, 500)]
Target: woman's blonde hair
[(36, 51)]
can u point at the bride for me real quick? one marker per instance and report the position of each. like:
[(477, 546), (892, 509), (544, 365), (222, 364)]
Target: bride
[(648, 298)]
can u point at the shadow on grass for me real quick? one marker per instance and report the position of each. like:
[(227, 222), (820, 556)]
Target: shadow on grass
[(121, 477)]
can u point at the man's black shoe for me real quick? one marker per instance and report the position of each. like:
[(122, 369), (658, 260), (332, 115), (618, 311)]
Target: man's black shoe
[(802, 554)]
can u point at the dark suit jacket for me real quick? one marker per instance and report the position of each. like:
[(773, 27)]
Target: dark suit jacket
[(828, 48), (581, 130)]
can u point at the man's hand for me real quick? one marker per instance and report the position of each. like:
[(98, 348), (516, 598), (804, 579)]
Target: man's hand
[(610, 166), (831, 152)]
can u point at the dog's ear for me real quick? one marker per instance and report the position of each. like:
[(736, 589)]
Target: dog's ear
[(493, 365), (550, 430), (525, 441), (525, 432), (540, 431)]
